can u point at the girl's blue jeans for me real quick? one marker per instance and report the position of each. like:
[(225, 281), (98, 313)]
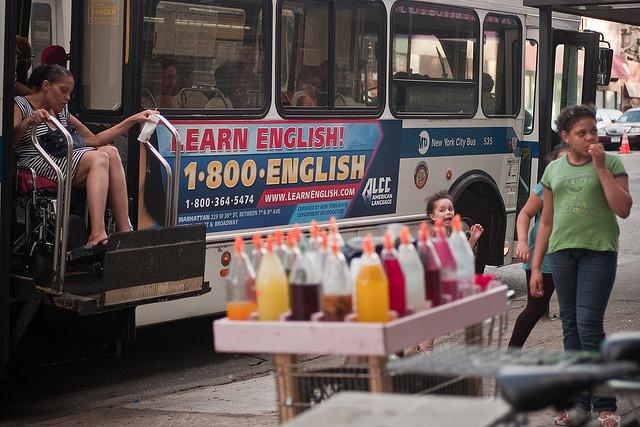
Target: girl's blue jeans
[(583, 280)]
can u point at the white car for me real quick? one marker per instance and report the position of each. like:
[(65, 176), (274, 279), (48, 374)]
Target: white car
[(604, 118)]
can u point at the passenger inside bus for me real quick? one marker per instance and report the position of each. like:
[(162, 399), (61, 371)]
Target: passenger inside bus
[(96, 166), (23, 63), (488, 98), (234, 79), (309, 91), (167, 98), (54, 54)]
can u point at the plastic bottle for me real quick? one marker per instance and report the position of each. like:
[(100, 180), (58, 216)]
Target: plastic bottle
[(395, 276), (257, 252), (314, 238), (304, 282), (372, 287), (449, 268), (279, 246), (334, 232), (324, 246), (465, 260), (293, 252), (240, 284), (337, 301), (432, 266), (272, 287), (413, 272)]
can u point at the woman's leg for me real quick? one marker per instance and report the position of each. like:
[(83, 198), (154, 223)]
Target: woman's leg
[(93, 173), (535, 309), (596, 274), (118, 198)]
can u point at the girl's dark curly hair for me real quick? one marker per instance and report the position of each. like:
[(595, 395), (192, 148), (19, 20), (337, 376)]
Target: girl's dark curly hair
[(443, 194), (569, 116)]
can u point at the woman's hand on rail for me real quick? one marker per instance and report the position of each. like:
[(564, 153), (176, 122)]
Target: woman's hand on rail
[(38, 116), (142, 116)]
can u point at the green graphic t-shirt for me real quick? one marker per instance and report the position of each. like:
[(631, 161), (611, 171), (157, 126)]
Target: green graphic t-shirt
[(581, 216)]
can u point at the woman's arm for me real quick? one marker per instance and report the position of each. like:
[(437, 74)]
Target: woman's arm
[(542, 241), (616, 189), (22, 125), (528, 211), (108, 135)]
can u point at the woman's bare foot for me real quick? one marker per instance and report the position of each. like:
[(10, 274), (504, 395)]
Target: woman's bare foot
[(100, 239)]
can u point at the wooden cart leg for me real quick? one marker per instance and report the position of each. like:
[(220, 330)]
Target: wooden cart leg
[(379, 379), (286, 386), (473, 336)]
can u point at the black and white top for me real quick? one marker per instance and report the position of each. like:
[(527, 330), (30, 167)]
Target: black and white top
[(27, 155)]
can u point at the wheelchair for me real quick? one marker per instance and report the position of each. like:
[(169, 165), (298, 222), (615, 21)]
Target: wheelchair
[(51, 265)]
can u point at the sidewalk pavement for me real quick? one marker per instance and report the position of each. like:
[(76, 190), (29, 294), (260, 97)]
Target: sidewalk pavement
[(252, 402)]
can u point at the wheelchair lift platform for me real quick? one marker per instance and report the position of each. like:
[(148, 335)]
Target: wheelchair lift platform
[(135, 268)]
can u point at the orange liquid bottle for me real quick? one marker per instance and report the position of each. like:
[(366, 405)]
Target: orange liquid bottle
[(372, 287), (272, 286), (240, 285)]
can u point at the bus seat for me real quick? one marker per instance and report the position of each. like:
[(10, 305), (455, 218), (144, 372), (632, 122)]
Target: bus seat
[(192, 98), (218, 102)]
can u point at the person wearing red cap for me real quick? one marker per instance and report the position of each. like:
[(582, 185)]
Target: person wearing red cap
[(54, 54)]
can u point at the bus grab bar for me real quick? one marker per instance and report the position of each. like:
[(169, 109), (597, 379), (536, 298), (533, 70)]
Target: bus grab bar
[(63, 203), (173, 180)]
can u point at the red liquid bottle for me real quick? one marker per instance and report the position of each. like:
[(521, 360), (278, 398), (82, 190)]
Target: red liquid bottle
[(397, 296), (432, 266), (304, 282), (449, 270)]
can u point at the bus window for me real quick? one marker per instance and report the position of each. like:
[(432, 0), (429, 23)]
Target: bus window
[(307, 78), (435, 60), (205, 55), (102, 55), (530, 76), (568, 78), (41, 30), (307, 52), (502, 53)]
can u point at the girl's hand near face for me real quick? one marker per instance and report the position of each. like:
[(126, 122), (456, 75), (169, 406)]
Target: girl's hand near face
[(596, 151)]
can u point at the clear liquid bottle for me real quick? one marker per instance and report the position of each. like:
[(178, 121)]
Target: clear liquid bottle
[(432, 266), (293, 252), (257, 252), (314, 236), (304, 282), (449, 269), (272, 286), (337, 301), (372, 287), (240, 285), (465, 259), (413, 272), (395, 276)]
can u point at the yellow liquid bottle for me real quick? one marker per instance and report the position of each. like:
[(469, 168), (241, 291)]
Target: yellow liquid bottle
[(372, 287), (272, 286)]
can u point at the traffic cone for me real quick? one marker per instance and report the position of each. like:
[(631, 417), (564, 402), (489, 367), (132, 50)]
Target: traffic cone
[(624, 147)]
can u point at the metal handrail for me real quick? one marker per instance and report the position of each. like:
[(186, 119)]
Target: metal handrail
[(173, 179), (63, 201)]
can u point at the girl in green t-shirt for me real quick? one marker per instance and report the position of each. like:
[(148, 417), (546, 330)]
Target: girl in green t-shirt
[(584, 191)]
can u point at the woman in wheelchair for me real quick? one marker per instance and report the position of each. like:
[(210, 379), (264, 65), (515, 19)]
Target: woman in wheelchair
[(96, 166)]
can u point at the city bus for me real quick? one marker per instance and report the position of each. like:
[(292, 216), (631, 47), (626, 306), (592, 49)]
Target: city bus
[(292, 110)]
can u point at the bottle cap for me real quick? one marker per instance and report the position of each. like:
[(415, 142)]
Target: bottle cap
[(367, 244), (315, 230), (257, 241), (424, 231), (239, 245), (334, 246), (269, 243), (278, 237), (438, 223), (296, 232), (405, 235), (324, 240), (291, 238), (333, 227), (388, 241), (456, 224)]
